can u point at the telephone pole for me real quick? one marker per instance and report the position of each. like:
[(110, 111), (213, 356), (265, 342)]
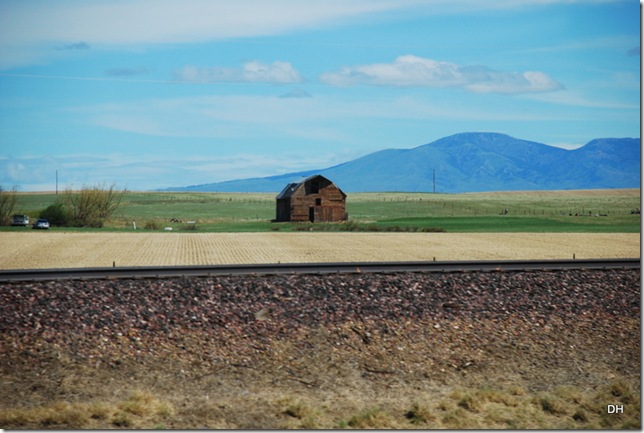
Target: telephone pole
[(434, 178)]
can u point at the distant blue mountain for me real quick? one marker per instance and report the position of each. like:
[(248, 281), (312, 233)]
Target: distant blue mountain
[(471, 162)]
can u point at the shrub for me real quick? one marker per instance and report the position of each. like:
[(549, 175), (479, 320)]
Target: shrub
[(352, 226), (152, 225), (8, 199), (55, 214), (91, 206)]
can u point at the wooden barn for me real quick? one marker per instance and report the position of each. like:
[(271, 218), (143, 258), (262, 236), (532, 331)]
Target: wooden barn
[(315, 199)]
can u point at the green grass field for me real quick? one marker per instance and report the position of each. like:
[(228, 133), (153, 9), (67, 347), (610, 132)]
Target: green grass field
[(537, 211)]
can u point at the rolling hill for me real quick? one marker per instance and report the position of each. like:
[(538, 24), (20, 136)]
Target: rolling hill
[(471, 162)]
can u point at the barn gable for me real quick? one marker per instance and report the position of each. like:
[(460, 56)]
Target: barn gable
[(315, 199)]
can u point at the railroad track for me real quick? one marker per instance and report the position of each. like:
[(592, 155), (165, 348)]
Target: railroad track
[(312, 268)]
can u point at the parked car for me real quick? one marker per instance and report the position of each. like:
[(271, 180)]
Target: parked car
[(41, 224), (20, 220)]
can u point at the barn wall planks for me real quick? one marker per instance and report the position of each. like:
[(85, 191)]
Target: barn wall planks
[(316, 199)]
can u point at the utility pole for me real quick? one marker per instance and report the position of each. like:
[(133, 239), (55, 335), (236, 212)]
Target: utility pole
[(56, 182), (434, 176)]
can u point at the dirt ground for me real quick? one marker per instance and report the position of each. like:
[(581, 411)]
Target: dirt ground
[(32, 250)]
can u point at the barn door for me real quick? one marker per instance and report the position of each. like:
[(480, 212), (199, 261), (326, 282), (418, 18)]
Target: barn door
[(312, 214)]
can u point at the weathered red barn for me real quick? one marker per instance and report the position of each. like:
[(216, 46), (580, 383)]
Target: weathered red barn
[(315, 199)]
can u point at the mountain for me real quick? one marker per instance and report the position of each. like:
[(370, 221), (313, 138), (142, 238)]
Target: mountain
[(471, 162)]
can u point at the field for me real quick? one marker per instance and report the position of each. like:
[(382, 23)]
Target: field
[(106, 249), (534, 211), (221, 228)]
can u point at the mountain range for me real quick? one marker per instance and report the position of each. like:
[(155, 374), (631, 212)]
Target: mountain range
[(470, 162)]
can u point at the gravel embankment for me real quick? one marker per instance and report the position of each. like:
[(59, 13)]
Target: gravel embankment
[(56, 310), (335, 334)]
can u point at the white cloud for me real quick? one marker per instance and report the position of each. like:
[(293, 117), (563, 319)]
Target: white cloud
[(413, 71), (251, 72), (513, 83)]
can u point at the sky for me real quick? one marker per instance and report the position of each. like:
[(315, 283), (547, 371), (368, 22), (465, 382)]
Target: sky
[(149, 94)]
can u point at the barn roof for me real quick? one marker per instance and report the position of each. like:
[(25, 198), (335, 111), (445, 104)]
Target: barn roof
[(292, 187), (288, 190)]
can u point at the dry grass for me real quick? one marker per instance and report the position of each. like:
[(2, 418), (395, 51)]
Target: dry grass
[(140, 410), (59, 249), (464, 408), (310, 382)]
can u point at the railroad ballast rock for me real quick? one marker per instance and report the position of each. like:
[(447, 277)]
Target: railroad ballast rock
[(325, 337), (54, 309)]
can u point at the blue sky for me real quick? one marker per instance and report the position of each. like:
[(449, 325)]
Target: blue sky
[(149, 94)]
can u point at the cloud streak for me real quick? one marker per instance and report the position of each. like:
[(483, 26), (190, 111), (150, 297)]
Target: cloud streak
[(76, 46), (126, 72), (413, 71), (239, 117), (170, 21), (250, 72), (32, 27), (28, 30), (150, 171)]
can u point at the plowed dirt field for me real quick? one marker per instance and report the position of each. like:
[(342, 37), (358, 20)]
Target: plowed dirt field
[(32, 250)]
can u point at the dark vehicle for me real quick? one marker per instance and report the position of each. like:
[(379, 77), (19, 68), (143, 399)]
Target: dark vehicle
[(20, 220), (41, 224)]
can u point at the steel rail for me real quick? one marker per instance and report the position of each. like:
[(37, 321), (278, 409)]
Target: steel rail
[(132, 272)]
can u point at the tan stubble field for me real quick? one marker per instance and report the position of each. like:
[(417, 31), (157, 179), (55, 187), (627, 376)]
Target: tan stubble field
[(35, 250)]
